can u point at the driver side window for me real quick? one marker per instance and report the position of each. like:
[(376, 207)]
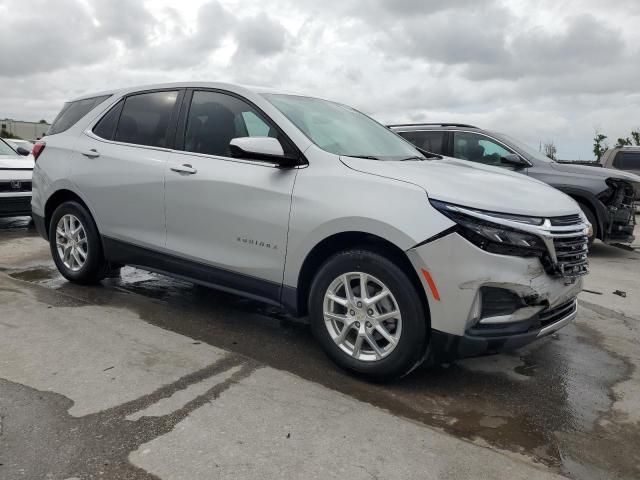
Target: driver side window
[(216, 118), (480, 149)]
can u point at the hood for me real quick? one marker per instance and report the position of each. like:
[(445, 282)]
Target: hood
[(595, 172), (473, 185), (16, 163)]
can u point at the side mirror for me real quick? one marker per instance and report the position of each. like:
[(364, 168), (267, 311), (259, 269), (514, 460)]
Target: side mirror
[(515, 160), (23, 151), (267, 149)]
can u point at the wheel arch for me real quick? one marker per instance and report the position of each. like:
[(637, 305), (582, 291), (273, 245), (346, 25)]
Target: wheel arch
[(57, 199), (591, 201), (296, 299)]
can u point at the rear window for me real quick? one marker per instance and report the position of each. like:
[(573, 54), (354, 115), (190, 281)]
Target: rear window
[(627, 161), (72, 112), (145, 118), (106, 127)]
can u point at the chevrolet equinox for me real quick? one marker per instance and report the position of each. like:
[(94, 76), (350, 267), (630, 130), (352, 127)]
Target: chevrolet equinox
[(314, 207)]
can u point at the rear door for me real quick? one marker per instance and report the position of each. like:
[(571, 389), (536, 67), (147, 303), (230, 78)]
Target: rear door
[(121, 165), (224, 212)]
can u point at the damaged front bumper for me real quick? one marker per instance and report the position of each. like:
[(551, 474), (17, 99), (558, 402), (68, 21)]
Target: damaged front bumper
[(482, 302)]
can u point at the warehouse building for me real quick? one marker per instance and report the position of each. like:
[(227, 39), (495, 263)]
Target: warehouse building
[(24, 130)]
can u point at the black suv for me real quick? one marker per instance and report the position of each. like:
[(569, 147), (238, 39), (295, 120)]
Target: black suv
[(605, 196)]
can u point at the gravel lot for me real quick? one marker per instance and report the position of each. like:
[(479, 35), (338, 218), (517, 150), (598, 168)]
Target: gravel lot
[(149, 377)]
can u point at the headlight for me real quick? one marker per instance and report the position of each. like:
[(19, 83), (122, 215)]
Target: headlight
[(493, 237)]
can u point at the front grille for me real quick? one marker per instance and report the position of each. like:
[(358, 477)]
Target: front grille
[(570, 247), (10, 186), (15, 205), (571, 253), (552, 315), (566, 220)]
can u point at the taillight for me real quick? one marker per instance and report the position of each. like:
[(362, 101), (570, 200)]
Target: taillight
[(37, 150)]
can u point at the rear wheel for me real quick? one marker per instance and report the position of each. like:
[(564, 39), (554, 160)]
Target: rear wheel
[(367, 315), (75, 244)]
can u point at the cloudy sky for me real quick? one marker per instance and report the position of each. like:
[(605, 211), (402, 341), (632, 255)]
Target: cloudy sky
[(544, 70)]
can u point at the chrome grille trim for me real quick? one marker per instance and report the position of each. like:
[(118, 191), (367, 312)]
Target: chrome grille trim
[(567, 244)]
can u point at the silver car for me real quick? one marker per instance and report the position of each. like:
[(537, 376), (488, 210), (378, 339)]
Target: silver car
[(395, 256), (15, 182)]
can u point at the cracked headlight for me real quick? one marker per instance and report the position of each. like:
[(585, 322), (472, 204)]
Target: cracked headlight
[(493, 237)]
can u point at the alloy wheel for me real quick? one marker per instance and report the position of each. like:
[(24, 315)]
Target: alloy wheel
[(71, 242), (362, 316)]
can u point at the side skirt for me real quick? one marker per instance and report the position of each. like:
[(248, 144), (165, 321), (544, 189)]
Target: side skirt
[(117, 251)]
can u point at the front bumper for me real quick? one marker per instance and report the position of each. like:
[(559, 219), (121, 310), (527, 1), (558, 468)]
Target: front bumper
[(446, 347), (460, 272), (15, 205)]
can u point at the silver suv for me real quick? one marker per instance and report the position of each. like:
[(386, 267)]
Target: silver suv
[(314, 207)]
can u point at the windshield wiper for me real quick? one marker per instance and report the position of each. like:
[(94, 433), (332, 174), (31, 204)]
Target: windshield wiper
[(412, 158), (368, 157)]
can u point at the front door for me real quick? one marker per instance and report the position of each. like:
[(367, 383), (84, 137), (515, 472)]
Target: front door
[(223, 212)]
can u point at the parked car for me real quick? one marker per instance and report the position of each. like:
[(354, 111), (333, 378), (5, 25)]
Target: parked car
[(23, 147), (15, 182), (606, 197), (314, 207), (623, 158)]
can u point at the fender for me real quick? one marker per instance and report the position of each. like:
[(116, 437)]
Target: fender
[(585, 196)]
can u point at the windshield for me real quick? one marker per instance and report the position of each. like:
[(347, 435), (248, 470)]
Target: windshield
[(342, 130), (6, 149), (530, 153)]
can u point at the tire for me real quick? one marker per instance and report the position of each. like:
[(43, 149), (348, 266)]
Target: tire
[(94, 267), (592, 220), (411, 327)]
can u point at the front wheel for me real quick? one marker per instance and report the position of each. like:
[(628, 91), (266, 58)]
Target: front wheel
[(75, 244), (367, 315)]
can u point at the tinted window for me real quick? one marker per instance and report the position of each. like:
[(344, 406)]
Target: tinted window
[(627, 161), (430, 141), (215, 119), (145, 119), (72, 112), (480, 149), (106, 127)]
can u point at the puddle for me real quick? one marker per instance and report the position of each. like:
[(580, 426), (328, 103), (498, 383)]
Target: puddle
[(37, 275)]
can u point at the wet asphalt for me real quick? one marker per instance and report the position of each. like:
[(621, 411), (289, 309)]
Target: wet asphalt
[(546, 401)]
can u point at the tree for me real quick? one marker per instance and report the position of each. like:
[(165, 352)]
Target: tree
[(42, 121), (599, 145), (550, 150), (622, 142), (635, 134)]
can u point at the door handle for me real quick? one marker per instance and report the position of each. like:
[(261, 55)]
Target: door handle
[(184, 168), (93, 153)]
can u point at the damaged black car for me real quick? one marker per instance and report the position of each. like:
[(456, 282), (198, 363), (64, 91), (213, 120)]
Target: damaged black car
[(606, 196)]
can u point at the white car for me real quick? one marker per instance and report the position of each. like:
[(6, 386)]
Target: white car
[(23, 147), (15, 182)]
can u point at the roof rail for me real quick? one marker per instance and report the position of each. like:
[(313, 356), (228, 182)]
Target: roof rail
[(437, 124)]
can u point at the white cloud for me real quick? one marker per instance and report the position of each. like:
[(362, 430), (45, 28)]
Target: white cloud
[(549, 70)]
